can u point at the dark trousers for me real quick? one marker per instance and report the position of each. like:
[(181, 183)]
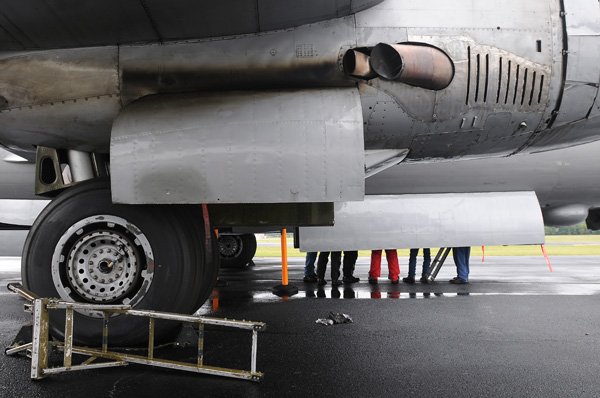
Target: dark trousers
[(412, 261), (336, 260)]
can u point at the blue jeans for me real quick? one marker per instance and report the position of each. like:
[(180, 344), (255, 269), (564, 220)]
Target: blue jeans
[(412, 261), (309, 264), (461, 259)]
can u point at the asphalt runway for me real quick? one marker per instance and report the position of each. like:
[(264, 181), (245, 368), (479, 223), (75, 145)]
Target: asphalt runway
[(516, 330)]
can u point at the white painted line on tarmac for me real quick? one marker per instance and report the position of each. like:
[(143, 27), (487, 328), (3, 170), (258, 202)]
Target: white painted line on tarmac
[(10, 264)]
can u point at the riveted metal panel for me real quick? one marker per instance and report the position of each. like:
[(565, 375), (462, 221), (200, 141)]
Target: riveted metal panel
[(582, 22), (430, 220), (512, 14), (240, 147), (582, 17)]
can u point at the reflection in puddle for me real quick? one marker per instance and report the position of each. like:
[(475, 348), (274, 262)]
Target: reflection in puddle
[(377, 292), (227, 295)]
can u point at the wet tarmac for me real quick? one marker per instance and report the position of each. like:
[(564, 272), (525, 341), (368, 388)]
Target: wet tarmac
[(515, 330)]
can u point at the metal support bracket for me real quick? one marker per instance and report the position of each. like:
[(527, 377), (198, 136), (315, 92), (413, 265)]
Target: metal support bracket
[(438, 261), (41, 343)]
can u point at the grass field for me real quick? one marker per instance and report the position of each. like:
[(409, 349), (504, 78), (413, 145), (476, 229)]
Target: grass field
[(556, 245)]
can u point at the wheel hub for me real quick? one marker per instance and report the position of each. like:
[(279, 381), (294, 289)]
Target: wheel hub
[(230, 245), (103, 259), (102, 266)]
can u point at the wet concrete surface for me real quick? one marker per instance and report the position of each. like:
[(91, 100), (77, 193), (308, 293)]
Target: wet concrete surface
[(515, 330)]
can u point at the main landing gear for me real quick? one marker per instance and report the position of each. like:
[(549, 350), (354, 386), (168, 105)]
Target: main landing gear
[(84, 248), (237, 251)]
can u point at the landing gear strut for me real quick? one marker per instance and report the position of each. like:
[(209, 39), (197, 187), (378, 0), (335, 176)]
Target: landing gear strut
[(84, 248)]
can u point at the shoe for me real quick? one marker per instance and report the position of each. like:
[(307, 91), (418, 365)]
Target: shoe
[(458, 281), (409, 279), (321, 282), (373, 281), (424, 280), (310, 279), (350, 279), (336, 282), (395, 281)]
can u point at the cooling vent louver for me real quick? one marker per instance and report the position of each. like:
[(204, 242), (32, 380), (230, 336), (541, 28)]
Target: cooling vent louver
[(505, 80)]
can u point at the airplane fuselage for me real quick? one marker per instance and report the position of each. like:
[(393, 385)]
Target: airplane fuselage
[(525, 78)]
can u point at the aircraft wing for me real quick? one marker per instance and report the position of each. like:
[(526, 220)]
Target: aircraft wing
[(40, 24)]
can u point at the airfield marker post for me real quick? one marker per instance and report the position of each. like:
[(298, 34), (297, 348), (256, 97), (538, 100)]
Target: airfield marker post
[(284, 258), (285, 289)]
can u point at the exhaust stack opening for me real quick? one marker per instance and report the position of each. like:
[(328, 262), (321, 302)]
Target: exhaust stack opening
[(357, 64), (415, 64)]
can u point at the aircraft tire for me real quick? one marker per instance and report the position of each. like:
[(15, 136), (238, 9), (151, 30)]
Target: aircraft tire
[(237, 250), (84, 248)]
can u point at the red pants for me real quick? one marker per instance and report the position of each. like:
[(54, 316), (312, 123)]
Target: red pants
[(392, 259)]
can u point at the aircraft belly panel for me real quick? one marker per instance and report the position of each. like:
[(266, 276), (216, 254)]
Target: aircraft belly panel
[(430, 220), (241, 147)]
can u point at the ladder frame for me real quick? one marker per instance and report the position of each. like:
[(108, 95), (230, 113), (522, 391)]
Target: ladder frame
[(41, 343)]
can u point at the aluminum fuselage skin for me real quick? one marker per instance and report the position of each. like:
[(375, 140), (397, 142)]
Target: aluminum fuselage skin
[(517, 86)]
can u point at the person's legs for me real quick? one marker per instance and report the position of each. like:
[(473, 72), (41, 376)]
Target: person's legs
[(461, 259), (348, 266), (309, 264), (375, 270), (426, 260), (412, 262), (322, 264), (349, 262), (391, 256), (336, 261)]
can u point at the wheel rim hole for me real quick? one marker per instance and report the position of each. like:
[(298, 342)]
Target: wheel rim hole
[(81, 261), (86, 251), (93, 287), (93, 245), (81, 271), (102, 290), (85, 280), (112, 289), (120, 283)]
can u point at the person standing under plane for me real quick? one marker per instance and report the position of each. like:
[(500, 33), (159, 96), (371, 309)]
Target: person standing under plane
[(336, 258), (349, 262), (461, 259), (393, 267), (309, 267), (336, 261), (412, 265)]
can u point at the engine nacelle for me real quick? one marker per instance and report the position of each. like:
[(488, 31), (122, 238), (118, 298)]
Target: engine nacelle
[(561, 216)]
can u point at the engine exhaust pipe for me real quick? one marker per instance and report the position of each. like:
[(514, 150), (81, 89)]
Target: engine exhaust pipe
[(357, 64), (418, 65)]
